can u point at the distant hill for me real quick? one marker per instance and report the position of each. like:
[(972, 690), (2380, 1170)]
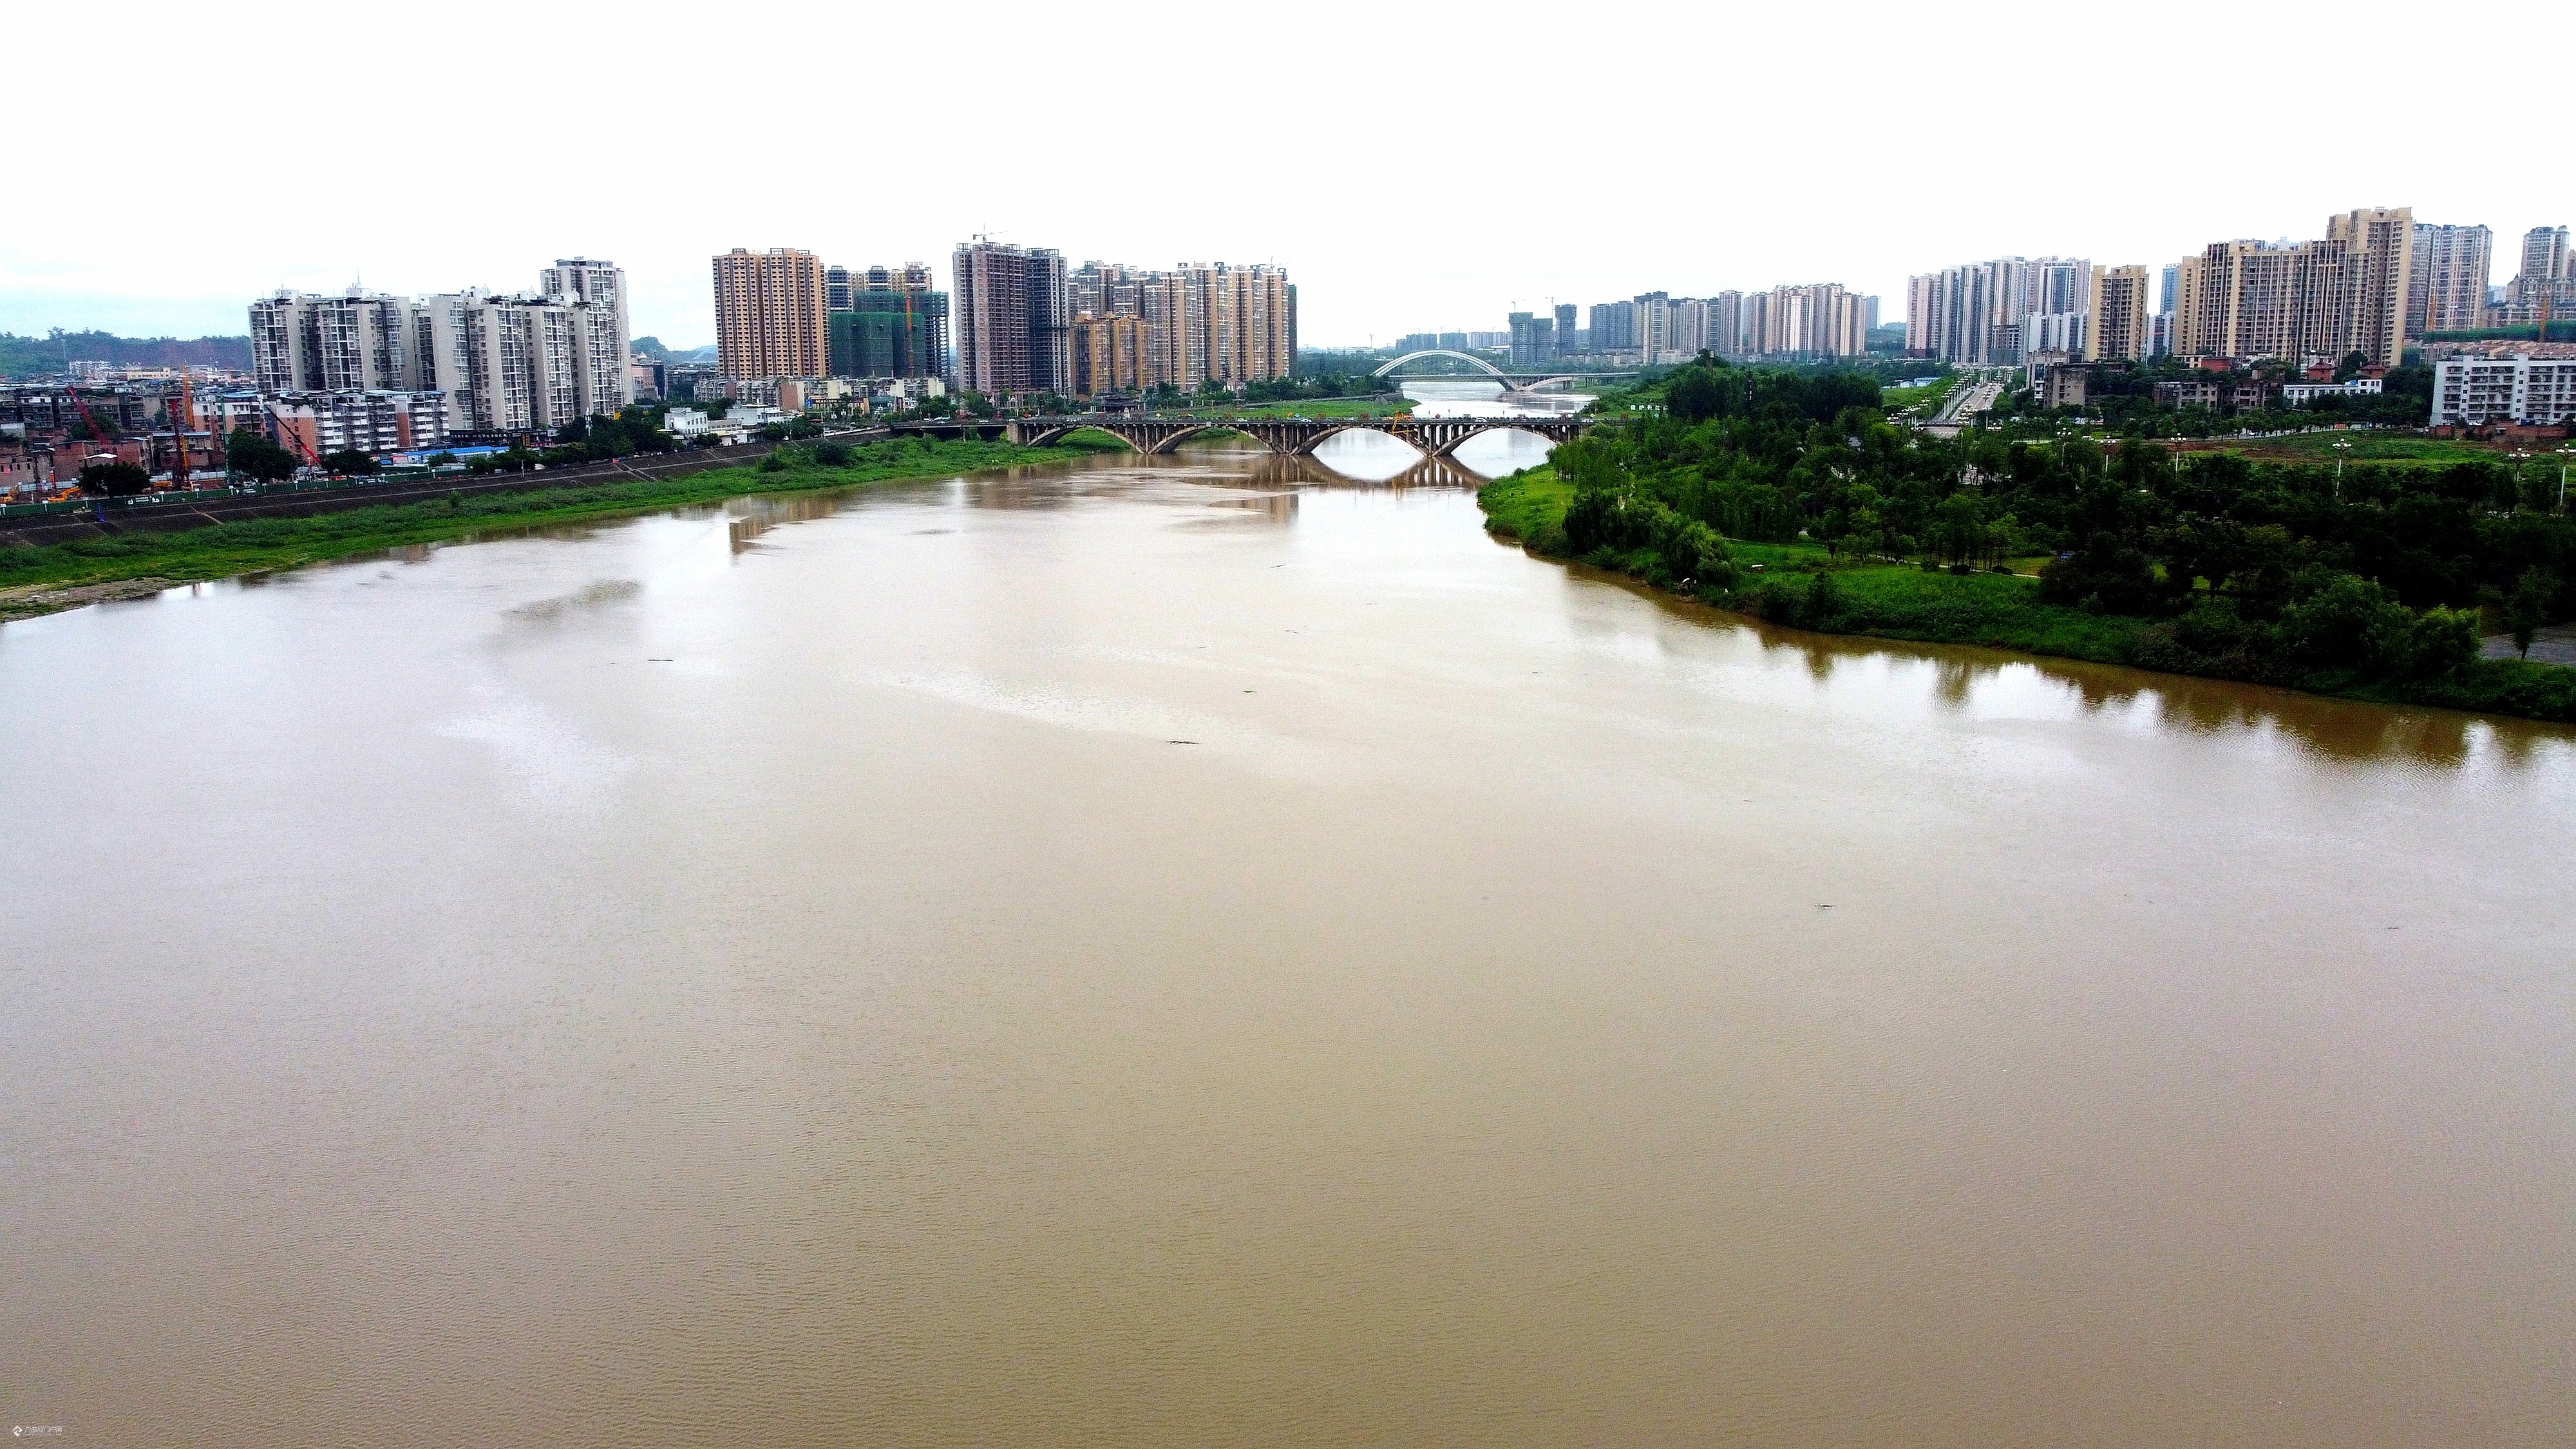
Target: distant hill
[(29, 356), (653, 348)]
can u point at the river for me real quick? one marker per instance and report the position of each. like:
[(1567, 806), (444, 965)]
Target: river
[(1187, 951)]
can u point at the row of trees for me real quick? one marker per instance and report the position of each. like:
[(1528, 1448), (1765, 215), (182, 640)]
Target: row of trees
[(2250, 570), (2124, 399)]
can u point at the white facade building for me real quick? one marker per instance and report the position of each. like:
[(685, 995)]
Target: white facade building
[(2469, 391), (1976, 313), (366, 422), (2300, 393), (2062, 332), (506, 364), (358, 341)]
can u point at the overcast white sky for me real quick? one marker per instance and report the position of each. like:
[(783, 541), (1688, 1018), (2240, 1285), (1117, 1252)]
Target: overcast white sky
[(1416, 166)]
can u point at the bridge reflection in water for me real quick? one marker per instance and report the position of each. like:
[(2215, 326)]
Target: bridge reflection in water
[(1435, 436), (1425, 471)]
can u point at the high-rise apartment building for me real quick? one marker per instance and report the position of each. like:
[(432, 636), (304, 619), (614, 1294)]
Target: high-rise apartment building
[(1725, 335), (1614, 326), (1011, 313), (2324, 299), (1233, 324), (359, 341), (1978, 313), (1533, 339), (1818, 320), (1108, 354), (770, 314), (2544, 270), (2447, 290), (2378, 264), (1253, 318), (891, 322), (506, 365), (596, 294), (1109, 289), (1757, 324), (1565, 329), (2119, 326)]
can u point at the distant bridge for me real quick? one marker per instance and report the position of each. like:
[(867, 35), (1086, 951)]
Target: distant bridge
[(1511, 381), (1290, 437)]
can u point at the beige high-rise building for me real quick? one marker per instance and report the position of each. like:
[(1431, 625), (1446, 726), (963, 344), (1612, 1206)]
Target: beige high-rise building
[(1233, 324), (1108, 354), (771, 320), (2369, 315), (2345, 293), (2120, 327), (2448, 291), (1817, 320)]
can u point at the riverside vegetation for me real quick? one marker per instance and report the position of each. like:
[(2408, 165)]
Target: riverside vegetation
[(36, 579), (1789, 496)]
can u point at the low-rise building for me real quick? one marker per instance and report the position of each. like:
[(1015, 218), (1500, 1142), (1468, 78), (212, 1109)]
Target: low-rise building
[(2473, 391), (2300, 394), (321, 423), (2060, 383), (2243, 397)]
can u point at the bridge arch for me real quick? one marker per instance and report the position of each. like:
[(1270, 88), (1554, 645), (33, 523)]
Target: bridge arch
[(1177, 436), (1445, 436), (1043, 436), (1489, 369)]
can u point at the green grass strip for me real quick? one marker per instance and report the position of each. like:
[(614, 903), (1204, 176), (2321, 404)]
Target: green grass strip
[(261, 545)]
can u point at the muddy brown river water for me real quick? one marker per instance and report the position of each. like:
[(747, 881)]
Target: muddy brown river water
[(1190, 952)]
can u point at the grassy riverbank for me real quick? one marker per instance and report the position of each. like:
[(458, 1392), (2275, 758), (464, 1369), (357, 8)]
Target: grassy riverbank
[(1804, 587), (41, 579)]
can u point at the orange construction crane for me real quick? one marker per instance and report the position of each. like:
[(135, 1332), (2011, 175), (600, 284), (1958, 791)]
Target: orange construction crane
[(72, 391)]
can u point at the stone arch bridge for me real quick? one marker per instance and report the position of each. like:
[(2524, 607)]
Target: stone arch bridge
[(1292, 437)]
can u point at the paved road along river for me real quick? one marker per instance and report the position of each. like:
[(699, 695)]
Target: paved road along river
[(1173, 952)]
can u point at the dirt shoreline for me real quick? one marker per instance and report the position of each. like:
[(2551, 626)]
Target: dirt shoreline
[(31, 601)]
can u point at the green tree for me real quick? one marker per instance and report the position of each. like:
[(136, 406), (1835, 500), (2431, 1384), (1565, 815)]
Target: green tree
[(2525, 609), (1959, 531), (1693, 395), (249, 455), (349, 463), (115, 479)]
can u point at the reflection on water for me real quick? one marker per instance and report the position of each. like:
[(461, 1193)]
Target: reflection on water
[(1463, 397), (1967, 679), (1214, 950)]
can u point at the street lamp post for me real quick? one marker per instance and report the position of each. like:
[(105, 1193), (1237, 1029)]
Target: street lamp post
[(2562, 477), (2519, 458), (2340, 450)]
